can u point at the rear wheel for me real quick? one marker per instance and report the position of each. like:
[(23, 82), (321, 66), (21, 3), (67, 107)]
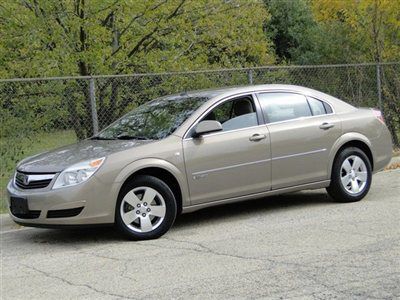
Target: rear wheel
[(351, 176), (146, 208)]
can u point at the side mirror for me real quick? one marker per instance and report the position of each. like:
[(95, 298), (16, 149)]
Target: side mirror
[(206, 127)]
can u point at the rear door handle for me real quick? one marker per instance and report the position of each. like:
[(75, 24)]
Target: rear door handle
[(326, 125), (257, 137)]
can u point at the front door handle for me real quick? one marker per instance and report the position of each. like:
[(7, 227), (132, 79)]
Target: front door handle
[(257, 137), (326, 125)]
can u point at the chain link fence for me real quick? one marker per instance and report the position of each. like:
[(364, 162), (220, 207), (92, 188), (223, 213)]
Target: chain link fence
[(42, 113)]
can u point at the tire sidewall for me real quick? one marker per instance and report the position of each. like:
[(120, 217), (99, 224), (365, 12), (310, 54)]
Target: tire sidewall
[(170, 203)]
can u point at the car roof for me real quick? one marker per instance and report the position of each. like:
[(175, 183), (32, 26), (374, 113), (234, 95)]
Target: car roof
[(227, 91), (207, 93)]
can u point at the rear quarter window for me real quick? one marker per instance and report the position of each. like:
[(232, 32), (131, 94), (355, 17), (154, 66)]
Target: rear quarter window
[(319, 107), (328, 108)]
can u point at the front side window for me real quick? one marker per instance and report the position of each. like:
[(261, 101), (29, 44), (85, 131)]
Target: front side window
[(154, 120), (279, 106), (234, 114)]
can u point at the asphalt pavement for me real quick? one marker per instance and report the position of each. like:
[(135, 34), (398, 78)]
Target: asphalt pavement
[(300, 245)]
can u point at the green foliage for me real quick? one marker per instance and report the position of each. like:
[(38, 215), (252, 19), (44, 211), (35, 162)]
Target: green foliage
[(325, 31), (291, 28), (54, 38)]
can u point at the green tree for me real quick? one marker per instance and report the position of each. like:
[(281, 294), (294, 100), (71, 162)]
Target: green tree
[(365, 30), (291, 27), (81, 37)]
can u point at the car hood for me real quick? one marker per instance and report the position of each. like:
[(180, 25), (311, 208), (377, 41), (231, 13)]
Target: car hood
[(59, 159)]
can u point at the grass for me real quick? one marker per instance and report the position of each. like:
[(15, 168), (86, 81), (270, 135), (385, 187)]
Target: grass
[(42, 142)]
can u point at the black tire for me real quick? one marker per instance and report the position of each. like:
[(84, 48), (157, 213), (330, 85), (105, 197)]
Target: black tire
[(170, 211), (336, 189)]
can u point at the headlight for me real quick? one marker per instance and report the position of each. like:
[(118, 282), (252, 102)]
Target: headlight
[(78, 173)]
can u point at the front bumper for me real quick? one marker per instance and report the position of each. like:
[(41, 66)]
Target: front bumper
[(88, 203)]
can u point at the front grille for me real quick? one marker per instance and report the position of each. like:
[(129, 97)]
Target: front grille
[(32, 181), (64, 213)]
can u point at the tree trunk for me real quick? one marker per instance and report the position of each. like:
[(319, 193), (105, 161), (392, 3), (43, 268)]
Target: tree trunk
[(74, 118), (114, 83), (85, 120)]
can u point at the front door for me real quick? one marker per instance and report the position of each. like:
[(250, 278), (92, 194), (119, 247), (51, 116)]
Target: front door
[(232, 162)]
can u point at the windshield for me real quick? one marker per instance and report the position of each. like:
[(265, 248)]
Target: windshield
[(154, 120)]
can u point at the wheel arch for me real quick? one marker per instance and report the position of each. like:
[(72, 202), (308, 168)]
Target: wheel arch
[(162, 170), (351, 140)]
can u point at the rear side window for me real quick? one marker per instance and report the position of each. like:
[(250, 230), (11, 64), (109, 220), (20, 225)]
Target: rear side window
[(279, 107)]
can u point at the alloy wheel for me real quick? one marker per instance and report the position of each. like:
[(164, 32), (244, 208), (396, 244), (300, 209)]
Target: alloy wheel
[(353, 174), (143, 209)]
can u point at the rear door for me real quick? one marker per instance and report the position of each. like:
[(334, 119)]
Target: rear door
[(302, 133)]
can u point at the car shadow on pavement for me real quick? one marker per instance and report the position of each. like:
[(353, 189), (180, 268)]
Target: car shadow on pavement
[(108, 234), (264, 205)]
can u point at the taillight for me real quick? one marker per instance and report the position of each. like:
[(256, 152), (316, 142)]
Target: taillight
[(378, 114)]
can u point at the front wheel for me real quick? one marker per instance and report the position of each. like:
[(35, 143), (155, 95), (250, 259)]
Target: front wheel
[(146, 208), (351, 176)]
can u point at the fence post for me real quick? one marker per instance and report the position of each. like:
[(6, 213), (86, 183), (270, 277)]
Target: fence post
[(379, 84), (92, 95), (250, 76)]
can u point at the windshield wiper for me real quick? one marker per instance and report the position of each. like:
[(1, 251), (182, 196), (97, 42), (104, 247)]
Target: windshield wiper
[(130, 137), (101, 138)]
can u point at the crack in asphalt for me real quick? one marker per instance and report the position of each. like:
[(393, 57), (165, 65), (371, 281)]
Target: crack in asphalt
[(201, 248), (52, 276), (209, 250), (304, 272), (302, 269)]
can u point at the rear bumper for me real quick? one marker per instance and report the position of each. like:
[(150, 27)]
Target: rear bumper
[(88, 203), (382, 150)]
